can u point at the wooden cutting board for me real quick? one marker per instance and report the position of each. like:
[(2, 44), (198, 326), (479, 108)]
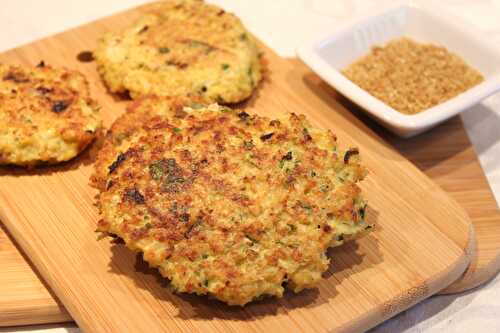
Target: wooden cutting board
[(456, 169), (422, 243), (24, 299), (450, 160)]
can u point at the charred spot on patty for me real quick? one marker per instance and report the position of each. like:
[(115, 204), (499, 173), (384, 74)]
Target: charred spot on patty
[(16, 77), (133, 195), (184, 217), (60, 106), (243, 115), (85, 56), (267, 136), (43, 90), (287, 157), (119, 160), (349, 153), (307, 136)]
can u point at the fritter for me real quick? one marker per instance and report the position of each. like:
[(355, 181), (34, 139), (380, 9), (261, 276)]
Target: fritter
[(234, 205), (181, 48), (47, 115)]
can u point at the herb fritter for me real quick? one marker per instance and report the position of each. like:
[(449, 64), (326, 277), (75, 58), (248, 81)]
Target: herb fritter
[(231, 204), (181, 48), (46, 114)]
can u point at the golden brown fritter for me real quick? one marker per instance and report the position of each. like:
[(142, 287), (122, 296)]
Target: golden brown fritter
[(233, 205), (46, 114), (181, 48)]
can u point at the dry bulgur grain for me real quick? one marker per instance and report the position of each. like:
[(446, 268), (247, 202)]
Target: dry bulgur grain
[(412, 77)]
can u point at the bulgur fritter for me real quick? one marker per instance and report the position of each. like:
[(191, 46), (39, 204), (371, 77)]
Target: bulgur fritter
[(233, 205), (182, 48), (46, 114)]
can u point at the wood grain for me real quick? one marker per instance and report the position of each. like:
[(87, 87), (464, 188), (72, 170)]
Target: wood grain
[(422, 243), (24, 298), (447, 156)]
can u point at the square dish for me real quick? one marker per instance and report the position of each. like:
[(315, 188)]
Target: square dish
[(328, 55)]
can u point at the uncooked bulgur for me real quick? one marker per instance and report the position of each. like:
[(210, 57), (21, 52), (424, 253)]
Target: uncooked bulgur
[(412, 77)]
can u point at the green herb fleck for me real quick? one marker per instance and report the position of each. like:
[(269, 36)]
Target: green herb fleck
[(177, 129), (248, 144), (196, 43), (243, 36), (173, 208), (173, 178), (306, 206), (250, 72), (196, 106), (307, 136), (164, 50), (156, 170), (133, 195), (225, 66), (120, 137)]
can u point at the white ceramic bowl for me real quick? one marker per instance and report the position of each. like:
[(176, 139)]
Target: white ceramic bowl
[(328, 55)]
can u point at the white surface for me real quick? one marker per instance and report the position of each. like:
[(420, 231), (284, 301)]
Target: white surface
[(285, 24), (329, 54)]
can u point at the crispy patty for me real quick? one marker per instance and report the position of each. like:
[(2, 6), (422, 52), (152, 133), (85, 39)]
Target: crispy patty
[(233, 205), (46, 114), (181, 48)]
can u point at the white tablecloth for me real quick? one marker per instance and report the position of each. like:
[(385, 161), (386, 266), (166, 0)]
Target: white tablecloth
[(283, 24)]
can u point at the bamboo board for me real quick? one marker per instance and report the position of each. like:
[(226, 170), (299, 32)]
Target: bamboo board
[(423, 241), (24, 299), (450, 160), (452, 164)]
